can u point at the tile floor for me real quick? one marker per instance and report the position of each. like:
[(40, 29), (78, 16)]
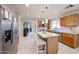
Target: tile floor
[(28, 45), (64, 49)]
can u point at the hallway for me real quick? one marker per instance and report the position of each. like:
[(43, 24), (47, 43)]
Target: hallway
[(27, 45)]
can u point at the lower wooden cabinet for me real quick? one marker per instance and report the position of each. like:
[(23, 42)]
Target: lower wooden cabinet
[(70, 39)]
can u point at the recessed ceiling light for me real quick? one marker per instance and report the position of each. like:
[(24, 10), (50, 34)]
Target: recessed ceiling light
[(55, 12), (27, 5)]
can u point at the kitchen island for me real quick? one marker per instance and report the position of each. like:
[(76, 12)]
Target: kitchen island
[(70, 38), (51, 40)]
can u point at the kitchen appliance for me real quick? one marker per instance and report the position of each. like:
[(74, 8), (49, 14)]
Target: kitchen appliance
[(8, 33)]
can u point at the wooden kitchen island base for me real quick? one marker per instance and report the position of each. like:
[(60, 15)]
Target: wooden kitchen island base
[(51, 40), (52, 45)]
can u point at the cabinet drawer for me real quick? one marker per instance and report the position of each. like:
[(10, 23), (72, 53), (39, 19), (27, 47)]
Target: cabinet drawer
[(68, 35)]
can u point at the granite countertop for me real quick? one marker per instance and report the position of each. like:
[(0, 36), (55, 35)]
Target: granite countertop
[(64, 31), (45, 34)]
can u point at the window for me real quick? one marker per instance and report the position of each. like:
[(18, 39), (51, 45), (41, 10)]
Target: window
[(6, 14), (56, 24)]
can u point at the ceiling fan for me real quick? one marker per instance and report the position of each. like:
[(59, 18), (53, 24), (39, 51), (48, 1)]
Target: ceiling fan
[(69, 6)]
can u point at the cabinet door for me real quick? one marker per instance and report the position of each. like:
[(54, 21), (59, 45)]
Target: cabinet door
[(52, 45), (72, 20), (63, 21), (68, 35), (68, 41)]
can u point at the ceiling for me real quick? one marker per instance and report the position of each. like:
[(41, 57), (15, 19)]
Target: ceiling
[(35, 10)]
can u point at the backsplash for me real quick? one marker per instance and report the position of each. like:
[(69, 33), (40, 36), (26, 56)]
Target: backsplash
[(76, 29), (66, 29), (70, 29)]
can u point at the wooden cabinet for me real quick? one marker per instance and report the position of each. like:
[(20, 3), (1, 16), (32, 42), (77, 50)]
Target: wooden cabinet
[(70, 39), (71, 20), (63, 21), (68, 35), (52, 45)]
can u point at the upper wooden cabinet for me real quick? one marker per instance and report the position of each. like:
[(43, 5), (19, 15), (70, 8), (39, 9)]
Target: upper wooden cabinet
[(63, 21), (71, 20)]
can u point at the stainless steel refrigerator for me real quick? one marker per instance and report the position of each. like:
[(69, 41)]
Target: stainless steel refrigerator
[(8, 34)]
